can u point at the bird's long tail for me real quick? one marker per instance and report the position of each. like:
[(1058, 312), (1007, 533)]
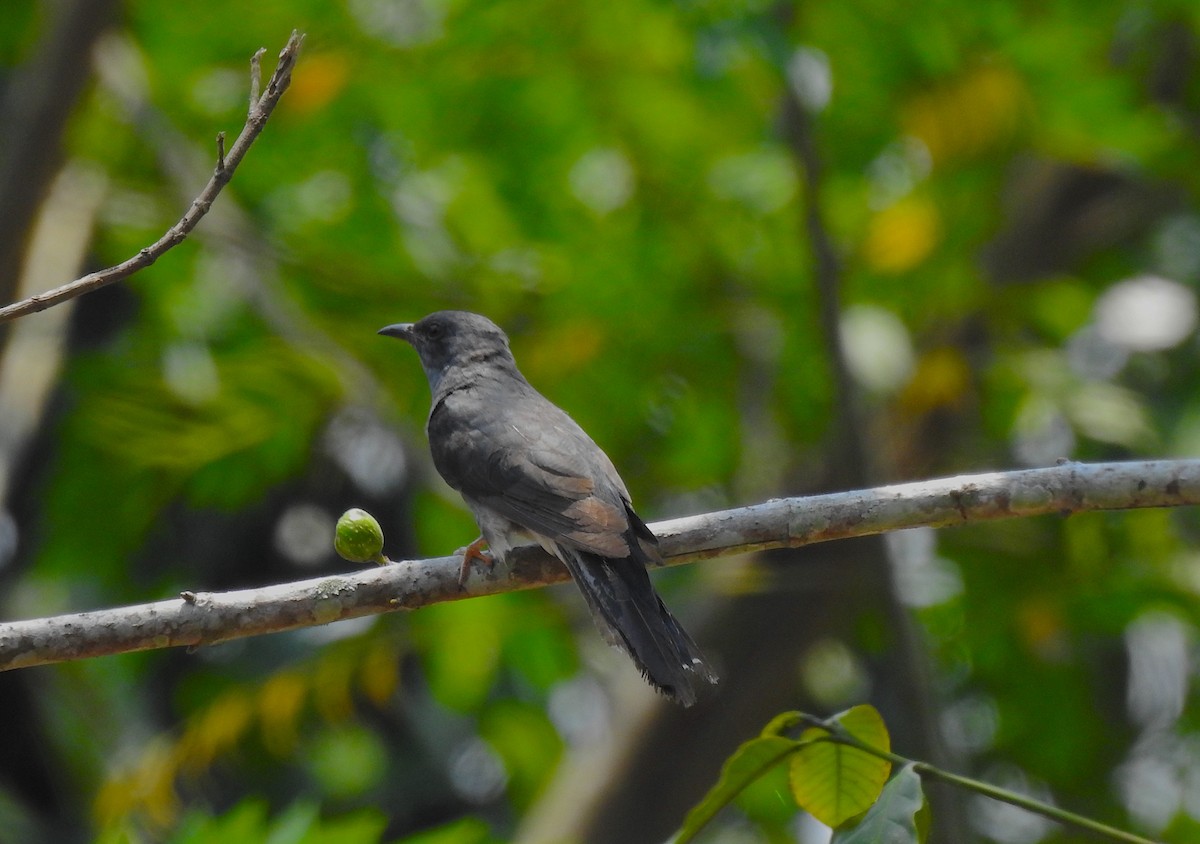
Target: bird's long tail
[(631, 616)]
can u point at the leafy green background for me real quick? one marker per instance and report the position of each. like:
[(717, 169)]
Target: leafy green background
[(629, 187)]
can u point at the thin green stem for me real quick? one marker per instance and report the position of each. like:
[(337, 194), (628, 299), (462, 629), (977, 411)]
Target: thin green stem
[(839, 734), (1030, 805)]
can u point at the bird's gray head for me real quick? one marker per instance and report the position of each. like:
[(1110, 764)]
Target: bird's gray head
[(448, 340)]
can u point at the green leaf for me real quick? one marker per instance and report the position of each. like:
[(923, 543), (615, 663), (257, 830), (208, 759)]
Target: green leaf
[(781, 723), (748, 763), (242, 824), (834, 782), (894, 817), (462, 831), (767, 801), (363, 826), (924, 820), (294, 823)]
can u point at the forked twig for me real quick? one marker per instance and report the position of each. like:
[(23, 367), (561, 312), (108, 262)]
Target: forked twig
[(260, 109)]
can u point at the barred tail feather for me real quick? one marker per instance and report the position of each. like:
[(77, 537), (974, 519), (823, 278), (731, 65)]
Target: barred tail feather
[(631, 616)]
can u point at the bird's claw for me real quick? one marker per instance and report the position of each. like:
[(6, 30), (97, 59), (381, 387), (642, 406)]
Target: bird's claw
[(474, 551)]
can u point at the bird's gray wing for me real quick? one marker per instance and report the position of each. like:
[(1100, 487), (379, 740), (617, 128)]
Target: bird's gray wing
[(524, 458)]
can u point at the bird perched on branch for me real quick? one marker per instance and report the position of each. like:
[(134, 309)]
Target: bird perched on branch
[(529, 472)]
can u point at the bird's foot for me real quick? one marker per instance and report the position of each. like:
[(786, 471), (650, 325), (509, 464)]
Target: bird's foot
[(474, 551)]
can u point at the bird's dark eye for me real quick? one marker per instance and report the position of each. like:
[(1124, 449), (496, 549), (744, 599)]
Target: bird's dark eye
[(434, 330)]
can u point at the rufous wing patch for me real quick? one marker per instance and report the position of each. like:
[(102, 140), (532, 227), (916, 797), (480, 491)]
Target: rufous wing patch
[(601, 526), (573, 485)]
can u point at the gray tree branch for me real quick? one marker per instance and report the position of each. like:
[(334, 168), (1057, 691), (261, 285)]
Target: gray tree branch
[(205, 618), (227, 163)]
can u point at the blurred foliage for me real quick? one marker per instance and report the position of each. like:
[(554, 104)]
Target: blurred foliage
[(614, 182)]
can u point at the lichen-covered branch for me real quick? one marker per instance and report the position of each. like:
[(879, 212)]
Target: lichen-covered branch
[(208, 617), (227, 163)]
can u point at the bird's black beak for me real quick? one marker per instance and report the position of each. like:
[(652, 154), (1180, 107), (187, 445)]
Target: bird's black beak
[(403, 330)]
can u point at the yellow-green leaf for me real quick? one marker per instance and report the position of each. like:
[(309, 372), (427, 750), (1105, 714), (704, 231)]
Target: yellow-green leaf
[(748, 763), (834, 782), (866, 724), (781, 723)]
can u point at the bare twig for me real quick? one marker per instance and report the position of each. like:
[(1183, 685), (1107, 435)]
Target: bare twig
[(226, 165), (220, 150), (202, 618), (256, 77)]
